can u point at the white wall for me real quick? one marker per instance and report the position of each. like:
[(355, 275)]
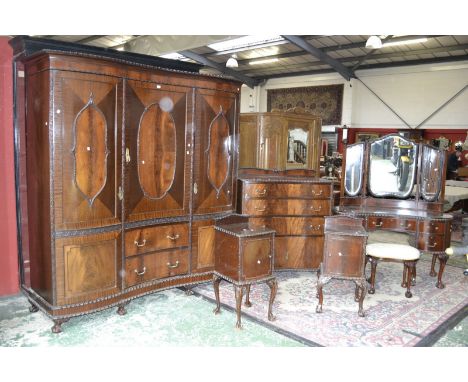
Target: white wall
[(413, 92)]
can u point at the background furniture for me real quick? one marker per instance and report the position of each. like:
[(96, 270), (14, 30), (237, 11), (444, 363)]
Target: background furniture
[(123, 168), (394, 252), (244, 256), (280, 140), (294, 206), (343, 256), (398, 184)]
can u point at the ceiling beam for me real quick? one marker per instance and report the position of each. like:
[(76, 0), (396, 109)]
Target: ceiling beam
[(250, 82), (89, 39), (338, 66), (370, 66)]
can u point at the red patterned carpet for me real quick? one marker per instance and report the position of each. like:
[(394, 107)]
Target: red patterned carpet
[(391, 318)]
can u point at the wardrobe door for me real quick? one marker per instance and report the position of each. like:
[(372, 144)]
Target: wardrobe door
[(215, 154), (157, 151), (85, 116)]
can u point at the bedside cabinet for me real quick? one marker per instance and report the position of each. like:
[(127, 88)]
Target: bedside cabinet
[(344, 256), (244, 256)]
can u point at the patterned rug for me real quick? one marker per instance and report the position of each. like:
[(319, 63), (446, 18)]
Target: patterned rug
[(391, 318)]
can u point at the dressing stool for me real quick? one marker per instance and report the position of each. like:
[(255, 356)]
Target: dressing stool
[(394, 252)]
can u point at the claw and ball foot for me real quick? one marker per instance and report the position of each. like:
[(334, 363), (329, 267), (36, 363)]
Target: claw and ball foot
[(33, 308), (57, 328), (121, 311)]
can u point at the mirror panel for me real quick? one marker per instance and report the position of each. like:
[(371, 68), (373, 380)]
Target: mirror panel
[(354, 169), (298, 147), (432, 165), (392, 167)]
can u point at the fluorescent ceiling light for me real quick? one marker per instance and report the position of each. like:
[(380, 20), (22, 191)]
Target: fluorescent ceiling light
[(405, 42), (265, 61), (246, 42)]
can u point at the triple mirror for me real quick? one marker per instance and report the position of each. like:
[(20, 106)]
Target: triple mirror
[(392, 168)]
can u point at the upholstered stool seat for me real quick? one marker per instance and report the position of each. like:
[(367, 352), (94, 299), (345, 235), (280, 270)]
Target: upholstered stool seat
[(394, 252)]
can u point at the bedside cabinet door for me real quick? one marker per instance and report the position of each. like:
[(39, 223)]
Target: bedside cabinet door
[(343, 256), (256, 258)]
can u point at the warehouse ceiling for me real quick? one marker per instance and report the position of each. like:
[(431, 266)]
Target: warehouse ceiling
[(260, 58)]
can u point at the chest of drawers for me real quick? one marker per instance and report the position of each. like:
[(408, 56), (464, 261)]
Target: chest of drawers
[(294, 207)]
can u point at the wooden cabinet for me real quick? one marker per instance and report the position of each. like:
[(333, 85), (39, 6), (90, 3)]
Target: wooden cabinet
[(280, 141), (294, 207), (244, 255), (344, 256), (118, 158)]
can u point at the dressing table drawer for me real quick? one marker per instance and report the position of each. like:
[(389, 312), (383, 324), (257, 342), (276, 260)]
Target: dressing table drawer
[(437, 227), (432, 242)]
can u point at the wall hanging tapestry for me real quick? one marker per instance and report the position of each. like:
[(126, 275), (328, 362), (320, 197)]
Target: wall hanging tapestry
[(325, 101)]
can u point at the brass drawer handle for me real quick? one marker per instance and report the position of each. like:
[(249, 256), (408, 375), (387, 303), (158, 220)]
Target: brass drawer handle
[(140, 245), (340, 254), (259, 262), (173, 266), (140, 273), (379, 225), (432, 246), (127, 155), (404, 225), (173, 238), (316, 209), (261, 193), (315, 194), (315, 227), (258, 209)]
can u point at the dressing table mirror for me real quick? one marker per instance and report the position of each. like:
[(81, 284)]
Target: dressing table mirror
[(397, 184)]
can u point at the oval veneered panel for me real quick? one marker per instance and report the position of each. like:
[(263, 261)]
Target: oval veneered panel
[(218, 152), (156, 152), (90, 151)]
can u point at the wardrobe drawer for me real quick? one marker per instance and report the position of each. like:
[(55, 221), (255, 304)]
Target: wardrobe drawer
[(148, 239), (256, 190), (151, 266)]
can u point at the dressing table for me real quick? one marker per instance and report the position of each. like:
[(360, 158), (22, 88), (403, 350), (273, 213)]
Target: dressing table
[(397, 184)]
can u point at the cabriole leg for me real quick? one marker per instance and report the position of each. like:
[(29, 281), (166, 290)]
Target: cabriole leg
[(216, 282), (442, 261), (247, 303), (239, 291), (273, 284), (433, 272)]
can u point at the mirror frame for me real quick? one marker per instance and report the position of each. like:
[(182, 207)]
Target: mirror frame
[(397, 195), (442, 158), (362, 155)]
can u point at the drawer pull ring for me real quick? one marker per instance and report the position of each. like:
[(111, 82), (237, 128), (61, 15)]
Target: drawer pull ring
[(317, 194), (140, 245), (315, 209), (173, 266), (261, 193), (173, 237), (260, 209), (140, 273)]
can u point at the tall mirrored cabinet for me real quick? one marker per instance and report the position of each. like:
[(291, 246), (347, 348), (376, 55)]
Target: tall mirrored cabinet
[(280, 141)]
